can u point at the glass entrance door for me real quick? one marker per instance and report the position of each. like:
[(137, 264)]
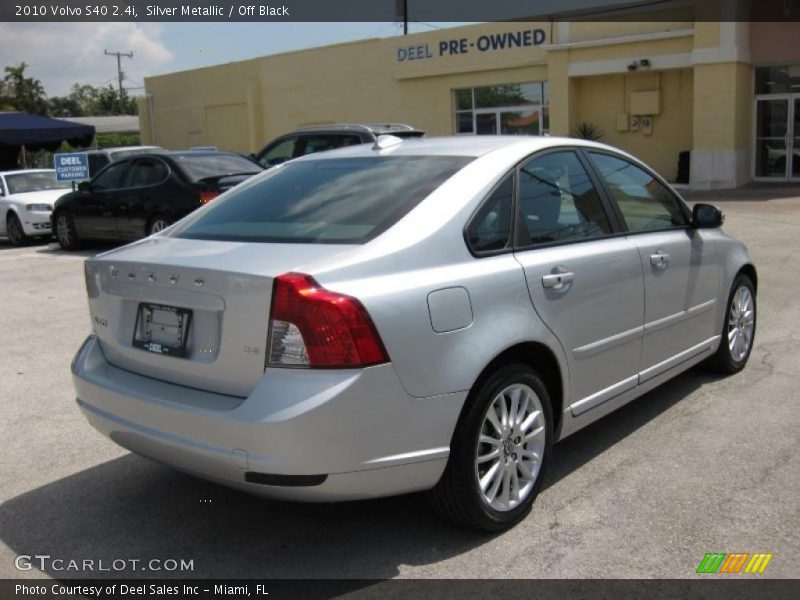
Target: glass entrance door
[(772, 137), (794, 162), (777, 153)]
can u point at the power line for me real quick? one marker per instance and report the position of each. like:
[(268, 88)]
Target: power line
[(120, 75)]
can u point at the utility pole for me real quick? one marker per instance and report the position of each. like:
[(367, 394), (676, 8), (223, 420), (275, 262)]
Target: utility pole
[(120, 75), (401, 9)]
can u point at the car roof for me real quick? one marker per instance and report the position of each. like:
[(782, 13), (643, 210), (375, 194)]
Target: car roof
[(16, 171), (188, 153), (374, 128), (460, 145)]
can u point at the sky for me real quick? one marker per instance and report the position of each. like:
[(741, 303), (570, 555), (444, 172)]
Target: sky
[(61, 54)]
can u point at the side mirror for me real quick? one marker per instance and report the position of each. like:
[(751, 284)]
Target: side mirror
[(707, 216), (84, 186)]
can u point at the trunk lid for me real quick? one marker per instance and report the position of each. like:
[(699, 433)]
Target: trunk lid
[(226, 286)]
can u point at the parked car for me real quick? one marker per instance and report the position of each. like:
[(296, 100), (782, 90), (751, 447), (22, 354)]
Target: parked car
[(141, 195), (26, 202), (419, 315), (101, 157), (320, 138)]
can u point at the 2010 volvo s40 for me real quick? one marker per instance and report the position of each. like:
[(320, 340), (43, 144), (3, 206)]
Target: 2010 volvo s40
[(414, 315)]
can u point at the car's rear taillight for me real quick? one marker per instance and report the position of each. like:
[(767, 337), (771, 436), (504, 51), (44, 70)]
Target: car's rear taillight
[(207, 196), (313, 327)]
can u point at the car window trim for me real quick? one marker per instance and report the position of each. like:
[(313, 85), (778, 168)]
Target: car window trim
[(618, 211), (520, 235)]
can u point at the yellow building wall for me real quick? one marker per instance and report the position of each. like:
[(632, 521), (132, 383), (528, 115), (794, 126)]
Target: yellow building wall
[(601, 99), (241, 106), (723, 106)]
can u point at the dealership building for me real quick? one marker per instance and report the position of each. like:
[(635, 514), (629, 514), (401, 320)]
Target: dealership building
[(709, 99)]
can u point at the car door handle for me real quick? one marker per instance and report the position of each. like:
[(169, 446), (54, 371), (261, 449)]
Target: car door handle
[(660, 260), (557, 280)]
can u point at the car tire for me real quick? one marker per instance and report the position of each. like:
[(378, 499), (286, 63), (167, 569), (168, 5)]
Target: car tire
[(157, 224), (16, 235), (489, 452), (64, 230), (739, 324)]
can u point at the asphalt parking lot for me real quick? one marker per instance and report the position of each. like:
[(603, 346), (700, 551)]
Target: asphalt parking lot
[(700, 465)]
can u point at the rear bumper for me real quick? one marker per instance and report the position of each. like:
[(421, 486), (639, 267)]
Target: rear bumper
[(353, 434)]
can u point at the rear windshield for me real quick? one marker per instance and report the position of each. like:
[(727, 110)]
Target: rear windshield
[(334, 201), (211, 166)]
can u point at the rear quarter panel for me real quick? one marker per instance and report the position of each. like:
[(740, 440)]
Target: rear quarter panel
[(425, 252)]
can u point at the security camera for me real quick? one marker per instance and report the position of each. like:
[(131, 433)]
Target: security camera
[(645, 62), (633, 66)]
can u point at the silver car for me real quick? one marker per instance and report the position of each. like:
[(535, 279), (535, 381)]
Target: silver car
[(415, 315)]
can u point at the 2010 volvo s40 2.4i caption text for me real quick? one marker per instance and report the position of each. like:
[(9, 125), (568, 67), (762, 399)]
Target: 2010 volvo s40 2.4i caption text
[(414, 315)]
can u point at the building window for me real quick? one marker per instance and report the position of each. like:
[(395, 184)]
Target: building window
[(510, 108), (782, 79)]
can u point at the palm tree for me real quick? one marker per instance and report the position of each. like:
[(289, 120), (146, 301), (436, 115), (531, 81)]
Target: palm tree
[(25, 94)]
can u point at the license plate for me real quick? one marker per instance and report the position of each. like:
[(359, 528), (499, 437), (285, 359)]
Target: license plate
[(162, 329)]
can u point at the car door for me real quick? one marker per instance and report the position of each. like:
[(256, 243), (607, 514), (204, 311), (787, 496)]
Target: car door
[(679, 264), (585, 282), (134, 204), (93, 211)]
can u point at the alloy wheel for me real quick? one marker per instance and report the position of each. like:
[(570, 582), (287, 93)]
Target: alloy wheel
[(741, 322), (64, 231), (510, 447), (157, 226)]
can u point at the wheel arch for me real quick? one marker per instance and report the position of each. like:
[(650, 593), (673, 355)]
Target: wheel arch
[(749, 270), (542, 359)]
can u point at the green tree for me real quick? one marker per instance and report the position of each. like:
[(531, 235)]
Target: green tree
[(24, 94), (87, 101)]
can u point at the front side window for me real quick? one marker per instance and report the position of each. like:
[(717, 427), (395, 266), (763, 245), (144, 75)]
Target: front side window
[(328, 201), (558, 202), (490, 228), (112, 177), (280, 152), (645, 203)]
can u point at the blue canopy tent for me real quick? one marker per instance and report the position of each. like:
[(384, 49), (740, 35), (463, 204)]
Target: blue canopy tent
[(33, 132)]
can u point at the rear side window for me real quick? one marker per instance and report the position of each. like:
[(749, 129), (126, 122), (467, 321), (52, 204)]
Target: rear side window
[(335, 201), (321, 143), (557, 201), (645, 203), (146, 172), (490, 228)]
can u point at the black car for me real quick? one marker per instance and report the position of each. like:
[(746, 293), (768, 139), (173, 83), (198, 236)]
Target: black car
[(319, 138), (141, 195)]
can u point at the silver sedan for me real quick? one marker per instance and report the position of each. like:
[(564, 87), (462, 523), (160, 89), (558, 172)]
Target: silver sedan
[(411, 315)]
